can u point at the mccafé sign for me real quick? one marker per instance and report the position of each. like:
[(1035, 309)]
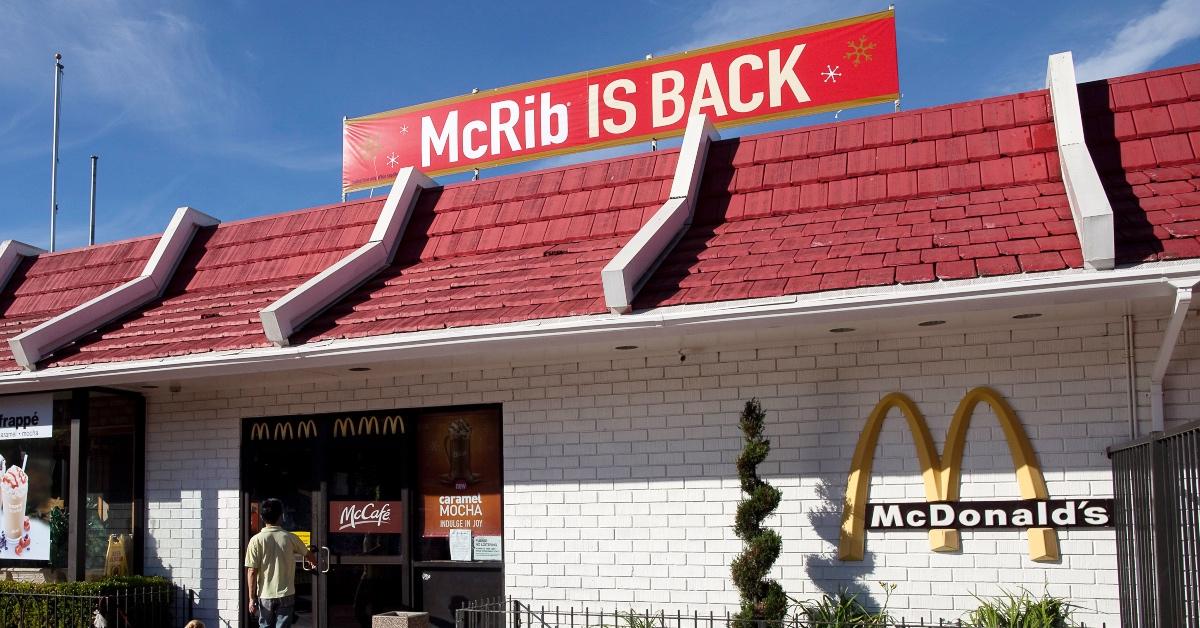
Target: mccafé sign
[(832, 66), (375, 517), (942, 513)]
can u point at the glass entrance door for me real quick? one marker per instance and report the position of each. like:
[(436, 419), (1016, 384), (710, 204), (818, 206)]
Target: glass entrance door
[(277, 463), (368, 467), (376, 498), (344, 483)]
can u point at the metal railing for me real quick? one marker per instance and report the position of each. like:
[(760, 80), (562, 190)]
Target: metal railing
[(132, 607), (501, 613), (1156, 490)]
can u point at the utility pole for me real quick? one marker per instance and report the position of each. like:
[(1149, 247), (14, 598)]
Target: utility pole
[(58, 69), (92, 205)]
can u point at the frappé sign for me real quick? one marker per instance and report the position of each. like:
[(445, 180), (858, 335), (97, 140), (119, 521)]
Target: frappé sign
[(848, 63), (27, 416)]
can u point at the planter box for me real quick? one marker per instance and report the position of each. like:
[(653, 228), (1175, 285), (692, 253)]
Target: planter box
[(400, 619)]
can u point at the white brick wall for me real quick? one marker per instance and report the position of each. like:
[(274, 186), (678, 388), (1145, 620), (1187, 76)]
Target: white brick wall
[(620, 480)]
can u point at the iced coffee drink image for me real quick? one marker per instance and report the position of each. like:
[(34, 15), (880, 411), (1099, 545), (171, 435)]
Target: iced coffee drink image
[(14, 489), (14, 495)]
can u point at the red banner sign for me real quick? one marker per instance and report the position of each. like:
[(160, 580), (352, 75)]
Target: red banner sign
[(366, 517), (832, 66)]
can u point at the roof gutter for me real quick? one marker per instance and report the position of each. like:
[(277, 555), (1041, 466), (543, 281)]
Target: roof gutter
[(1146, 281), (1183, 300)]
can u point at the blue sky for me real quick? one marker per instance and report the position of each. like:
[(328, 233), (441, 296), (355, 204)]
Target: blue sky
[(235, 107)]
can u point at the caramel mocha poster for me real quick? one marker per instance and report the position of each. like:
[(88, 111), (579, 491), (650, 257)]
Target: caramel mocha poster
[(459, 458)]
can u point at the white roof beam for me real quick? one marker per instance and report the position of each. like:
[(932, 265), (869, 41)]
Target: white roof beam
[(625, 274), (11, 254), (35, 344), (284, 317), (1090, 206)]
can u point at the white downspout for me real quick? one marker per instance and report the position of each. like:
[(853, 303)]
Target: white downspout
[(1183, 299)]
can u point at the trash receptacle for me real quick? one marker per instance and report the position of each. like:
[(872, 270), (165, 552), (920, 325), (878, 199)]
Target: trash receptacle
[(400, 619)]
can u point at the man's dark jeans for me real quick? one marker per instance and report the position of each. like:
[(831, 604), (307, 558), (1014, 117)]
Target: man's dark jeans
[(276, 612)]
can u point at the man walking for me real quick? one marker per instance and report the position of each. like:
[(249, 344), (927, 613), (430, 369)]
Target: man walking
[(271, 568)]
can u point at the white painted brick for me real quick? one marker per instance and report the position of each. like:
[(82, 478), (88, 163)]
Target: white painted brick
[(621, 485)]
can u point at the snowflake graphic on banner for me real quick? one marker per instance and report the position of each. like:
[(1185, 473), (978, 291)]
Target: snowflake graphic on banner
[(831, 73), (860, 50)]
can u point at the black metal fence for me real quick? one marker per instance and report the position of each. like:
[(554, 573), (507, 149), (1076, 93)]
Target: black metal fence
[(133, 607), (1156, 486), (501, 613)]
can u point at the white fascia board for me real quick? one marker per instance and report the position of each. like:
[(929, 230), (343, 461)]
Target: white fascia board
[(1090, 207), (1155, 280), (11, 254), (282, 318), (625, 273), (35, 344)]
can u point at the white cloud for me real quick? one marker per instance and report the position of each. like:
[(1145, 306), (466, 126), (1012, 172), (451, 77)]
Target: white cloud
[(123, 60), (132, 64), (1143, 41)]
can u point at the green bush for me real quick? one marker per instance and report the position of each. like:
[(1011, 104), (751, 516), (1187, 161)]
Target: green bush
[(762, 598), (71, 604), (845, 611), (1022, 611)]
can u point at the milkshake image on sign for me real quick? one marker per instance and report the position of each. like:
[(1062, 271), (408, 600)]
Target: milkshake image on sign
[(14, 489)]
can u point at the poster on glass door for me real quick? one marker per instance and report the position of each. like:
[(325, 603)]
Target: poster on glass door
[(459, 462), (26, 467)]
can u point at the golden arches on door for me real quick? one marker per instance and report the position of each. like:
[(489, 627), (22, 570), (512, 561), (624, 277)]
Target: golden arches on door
[(368, 425), (283, 430), (942, 475)]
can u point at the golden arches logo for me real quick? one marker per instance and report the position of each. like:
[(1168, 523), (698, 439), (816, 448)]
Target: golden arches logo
[(368, 425), (942, 475), (306, 429), (283, 431), (260, 431), (344, 427), (393, 424)]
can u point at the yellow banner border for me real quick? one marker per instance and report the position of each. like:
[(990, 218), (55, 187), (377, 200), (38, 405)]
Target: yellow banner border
[(499, 91)]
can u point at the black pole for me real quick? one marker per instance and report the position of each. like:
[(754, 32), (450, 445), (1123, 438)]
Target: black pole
[(77, 508)]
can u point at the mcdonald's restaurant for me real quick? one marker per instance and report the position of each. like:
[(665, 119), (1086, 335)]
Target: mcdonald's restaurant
[(536, 393)]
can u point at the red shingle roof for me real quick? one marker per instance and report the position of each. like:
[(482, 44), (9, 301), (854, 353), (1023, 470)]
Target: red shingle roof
[(1144, 133), (523, 247), (960, 191), (48, 285), (953, 192), (231, 272)]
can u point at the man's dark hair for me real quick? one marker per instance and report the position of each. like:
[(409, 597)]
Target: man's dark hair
[(271, 510)]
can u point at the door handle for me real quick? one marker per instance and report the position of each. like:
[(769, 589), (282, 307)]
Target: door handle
[(304, 564), (328, 561)]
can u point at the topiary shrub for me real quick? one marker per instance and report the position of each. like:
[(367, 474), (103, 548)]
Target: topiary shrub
[(762, 599)]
